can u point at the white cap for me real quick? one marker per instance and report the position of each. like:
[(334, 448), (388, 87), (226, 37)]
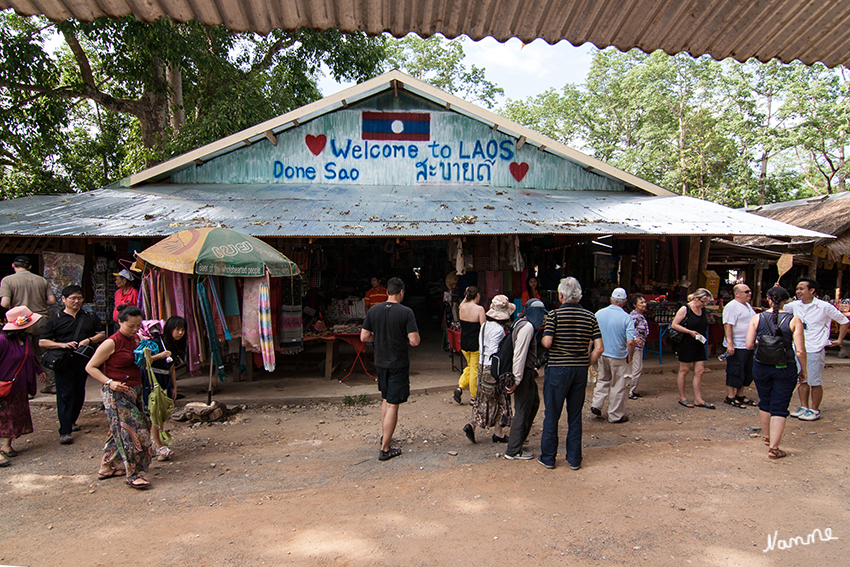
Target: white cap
[(125, 273), (619, 293)]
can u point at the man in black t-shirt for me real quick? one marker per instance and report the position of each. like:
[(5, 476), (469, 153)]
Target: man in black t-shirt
[(391, 327), (67, 330)]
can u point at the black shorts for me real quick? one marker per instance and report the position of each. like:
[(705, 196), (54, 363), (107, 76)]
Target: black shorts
[(394, 384)]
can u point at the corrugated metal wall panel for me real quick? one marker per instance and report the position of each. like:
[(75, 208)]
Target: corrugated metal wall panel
[(765, 29)]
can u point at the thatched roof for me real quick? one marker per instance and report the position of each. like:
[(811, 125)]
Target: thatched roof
[(829, 214)]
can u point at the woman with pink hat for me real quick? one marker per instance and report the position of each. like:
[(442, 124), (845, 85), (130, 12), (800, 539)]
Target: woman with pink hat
[(491, 406), (19, 370)]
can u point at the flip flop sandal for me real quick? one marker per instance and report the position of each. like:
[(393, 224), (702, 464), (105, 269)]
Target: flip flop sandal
[(705, 405), (139, 483), (10, 453), (686, 404), (5, 462), (766, 441)]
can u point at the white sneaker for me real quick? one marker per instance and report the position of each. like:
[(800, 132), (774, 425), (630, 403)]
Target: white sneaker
[(522, 456), (810, 415), (799, 411)]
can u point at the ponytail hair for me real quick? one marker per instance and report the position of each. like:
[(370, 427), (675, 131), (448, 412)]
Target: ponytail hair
[(470, 293), (777, 295)]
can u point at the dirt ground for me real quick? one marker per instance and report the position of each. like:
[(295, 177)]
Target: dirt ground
[(301, 485)]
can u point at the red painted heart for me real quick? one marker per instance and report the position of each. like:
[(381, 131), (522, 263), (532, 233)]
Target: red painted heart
[(316, 143), (518, 170)]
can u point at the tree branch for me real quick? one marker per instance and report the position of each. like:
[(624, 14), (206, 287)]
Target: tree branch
[(267, 59)]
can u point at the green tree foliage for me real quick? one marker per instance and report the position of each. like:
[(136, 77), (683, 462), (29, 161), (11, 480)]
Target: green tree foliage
[(439, 62), (819, 104), (118, 95), (732, 133)]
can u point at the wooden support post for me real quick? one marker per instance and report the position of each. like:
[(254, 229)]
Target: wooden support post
[(838, 279), (756, 287), (813, 269), (705, 244), (693, 262), (626, 272)]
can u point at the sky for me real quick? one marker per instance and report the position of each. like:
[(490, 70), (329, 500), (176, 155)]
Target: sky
[(522, 71)]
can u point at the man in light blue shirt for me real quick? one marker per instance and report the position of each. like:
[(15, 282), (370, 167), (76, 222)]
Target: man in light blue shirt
[(618, 335)]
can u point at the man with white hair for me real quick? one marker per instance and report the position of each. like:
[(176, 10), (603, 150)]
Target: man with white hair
[(569, 331), (618, 334)]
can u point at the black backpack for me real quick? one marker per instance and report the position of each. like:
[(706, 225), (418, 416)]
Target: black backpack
[(503, 359), (771, 347)]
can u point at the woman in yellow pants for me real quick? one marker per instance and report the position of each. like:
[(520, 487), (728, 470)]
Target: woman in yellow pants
[(472, 316)]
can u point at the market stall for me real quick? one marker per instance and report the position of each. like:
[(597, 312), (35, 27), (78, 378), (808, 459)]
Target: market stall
[(234, 290)]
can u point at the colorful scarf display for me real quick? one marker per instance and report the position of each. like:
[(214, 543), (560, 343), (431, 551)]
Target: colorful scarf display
[(206, 312), (265, 325)]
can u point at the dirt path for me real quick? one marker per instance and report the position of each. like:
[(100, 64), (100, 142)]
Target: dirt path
[(301, 485)]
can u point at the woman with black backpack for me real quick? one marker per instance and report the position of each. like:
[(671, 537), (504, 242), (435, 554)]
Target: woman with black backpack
[(775, 368)]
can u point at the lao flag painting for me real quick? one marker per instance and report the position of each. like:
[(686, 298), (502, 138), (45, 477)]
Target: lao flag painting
[(411, 126)]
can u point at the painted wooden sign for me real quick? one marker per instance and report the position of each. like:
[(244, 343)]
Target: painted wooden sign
[(423, 145)]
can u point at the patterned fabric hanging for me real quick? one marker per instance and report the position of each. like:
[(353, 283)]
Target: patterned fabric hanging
[(206, 312), (265, 319)]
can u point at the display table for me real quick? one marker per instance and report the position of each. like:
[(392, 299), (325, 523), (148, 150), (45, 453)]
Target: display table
[(359, 348), (656, 333), (454, 347), (330, 353)]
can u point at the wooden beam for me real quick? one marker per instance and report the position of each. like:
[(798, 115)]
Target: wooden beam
[(246, 142), (199, 162), (520, 143), (271, 137), (693, 262)]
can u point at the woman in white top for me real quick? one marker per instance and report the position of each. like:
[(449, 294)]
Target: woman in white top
[(491, 406)]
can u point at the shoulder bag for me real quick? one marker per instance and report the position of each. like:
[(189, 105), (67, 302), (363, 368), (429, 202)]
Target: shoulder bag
[(771, 348), (6, 387), (59, 359)]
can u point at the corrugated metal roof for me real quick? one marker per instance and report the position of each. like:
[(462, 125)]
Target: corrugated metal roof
[(388, 81), (374, 211), (741, 29)]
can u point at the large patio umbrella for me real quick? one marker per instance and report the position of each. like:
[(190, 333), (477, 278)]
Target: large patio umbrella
[(218, 252), (222, 252)]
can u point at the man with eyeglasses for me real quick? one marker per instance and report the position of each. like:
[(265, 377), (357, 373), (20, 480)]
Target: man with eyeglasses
[(67, 330), (737, 315)]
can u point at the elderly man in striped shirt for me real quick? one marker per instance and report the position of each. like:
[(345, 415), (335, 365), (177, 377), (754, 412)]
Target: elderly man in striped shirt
[(569, 332)]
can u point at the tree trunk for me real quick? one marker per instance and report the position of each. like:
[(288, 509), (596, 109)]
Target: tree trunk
[(841, 174), (175, 82), (763, 177)]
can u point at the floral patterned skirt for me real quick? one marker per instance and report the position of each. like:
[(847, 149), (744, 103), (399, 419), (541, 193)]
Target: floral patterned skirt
[(128, 446), (490, 410)]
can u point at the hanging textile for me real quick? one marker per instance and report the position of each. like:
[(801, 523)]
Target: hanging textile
[(250, 318), (265, 327), (494, 283), (460, 265), (207, 314), (230, 304), (291, 327), (516, 259), (216, 298)]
